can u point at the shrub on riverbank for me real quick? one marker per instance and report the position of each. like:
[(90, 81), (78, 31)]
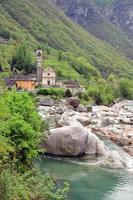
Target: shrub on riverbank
[(32, 185), (53, 92), (102, 91), (126, 88), (20, 133)]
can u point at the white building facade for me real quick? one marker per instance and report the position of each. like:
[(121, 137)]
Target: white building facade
[(48, 77)]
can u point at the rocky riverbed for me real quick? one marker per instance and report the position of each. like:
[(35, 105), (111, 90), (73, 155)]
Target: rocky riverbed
[(114, 123)]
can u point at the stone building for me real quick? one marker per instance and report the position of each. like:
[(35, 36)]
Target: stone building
[(74, 87), (48, 77)]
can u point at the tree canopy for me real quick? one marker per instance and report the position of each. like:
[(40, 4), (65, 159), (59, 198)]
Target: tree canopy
[(20, 134)]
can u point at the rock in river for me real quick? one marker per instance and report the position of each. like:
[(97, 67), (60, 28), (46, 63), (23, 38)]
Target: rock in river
[(73, 101), (73, 141), (46, 102)]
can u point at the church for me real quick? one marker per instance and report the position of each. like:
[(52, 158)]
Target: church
[(44, 77), (47, 76)]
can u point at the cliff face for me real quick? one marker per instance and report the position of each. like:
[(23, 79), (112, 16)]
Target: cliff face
[(108, 20), (83, 12), (120, 13)]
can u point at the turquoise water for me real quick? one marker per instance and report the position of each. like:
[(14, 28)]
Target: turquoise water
[(89, 182)]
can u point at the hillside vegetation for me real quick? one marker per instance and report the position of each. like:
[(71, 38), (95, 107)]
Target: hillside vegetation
[(120, 14), (20, 133), (40, 23), (89, 14)]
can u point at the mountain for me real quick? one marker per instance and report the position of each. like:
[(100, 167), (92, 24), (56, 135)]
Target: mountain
[(101, 4), (120, 13), (41, 23), (95, 16)]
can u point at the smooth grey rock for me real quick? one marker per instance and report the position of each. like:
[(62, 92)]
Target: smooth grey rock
[(84, 120), (60, 111), (46, 102), (73, 141), (81, 108), (107, 121), (124, 141)]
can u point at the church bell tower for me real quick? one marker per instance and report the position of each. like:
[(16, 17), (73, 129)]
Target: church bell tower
[(39, 57)]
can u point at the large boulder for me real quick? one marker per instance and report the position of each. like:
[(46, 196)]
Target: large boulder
[(85, 121), (73, 101), (81, 109), (46, 102), (124, 141), (73, 141), (107, 121)]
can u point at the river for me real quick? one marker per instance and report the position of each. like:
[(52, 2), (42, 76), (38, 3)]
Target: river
[(89, 182)]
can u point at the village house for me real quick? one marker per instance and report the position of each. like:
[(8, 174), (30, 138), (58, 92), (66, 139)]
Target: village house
[(25, 82), (74, 87)]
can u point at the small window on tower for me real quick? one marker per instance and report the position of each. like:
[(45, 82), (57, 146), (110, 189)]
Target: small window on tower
[(39, 54), (48, 74)]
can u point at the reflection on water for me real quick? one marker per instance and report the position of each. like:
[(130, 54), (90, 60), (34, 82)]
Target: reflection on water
[(89, 182)]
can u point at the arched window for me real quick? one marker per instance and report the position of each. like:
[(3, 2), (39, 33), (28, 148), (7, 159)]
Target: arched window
[(39, 54)]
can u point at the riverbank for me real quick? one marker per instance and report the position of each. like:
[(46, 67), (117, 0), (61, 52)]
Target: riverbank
[(113, 123)]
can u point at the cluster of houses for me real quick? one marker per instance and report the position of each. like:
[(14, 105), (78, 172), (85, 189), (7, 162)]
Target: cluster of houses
[(44, 77)]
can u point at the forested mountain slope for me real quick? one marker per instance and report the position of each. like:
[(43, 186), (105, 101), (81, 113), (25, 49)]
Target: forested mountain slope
[(93, 15), (40, 23), (120, 13)]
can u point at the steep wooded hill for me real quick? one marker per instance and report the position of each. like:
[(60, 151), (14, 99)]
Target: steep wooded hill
[(40, 22), (101, 17)]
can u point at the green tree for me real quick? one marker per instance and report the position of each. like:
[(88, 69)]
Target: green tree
[(5, 33), (22, 60), (23, 104), (60, 56), (22, 127), (126, 88), (24, 139)]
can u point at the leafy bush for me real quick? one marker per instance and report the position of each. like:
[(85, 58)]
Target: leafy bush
[(53, 92), (100, 91), (22, 126), (5, 33), (126, 88), (12, 186), (31, 185)]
